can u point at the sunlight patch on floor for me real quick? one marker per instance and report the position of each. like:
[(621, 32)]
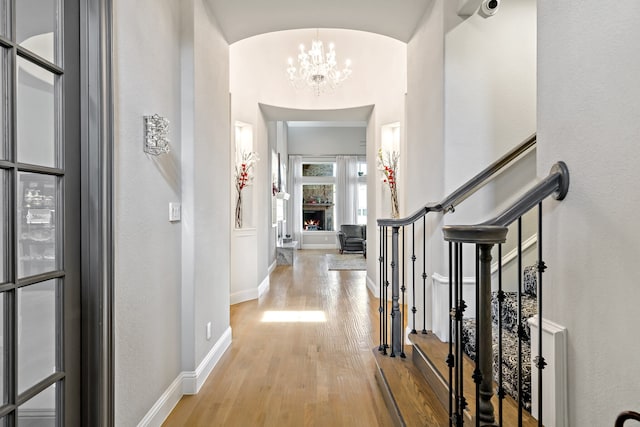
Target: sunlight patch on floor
[(294, 316)]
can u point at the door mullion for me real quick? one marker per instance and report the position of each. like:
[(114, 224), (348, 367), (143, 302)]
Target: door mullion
[(11, 339)]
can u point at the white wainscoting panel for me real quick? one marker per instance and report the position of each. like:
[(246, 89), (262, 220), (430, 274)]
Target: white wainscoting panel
[(440, 306), (554, 375)]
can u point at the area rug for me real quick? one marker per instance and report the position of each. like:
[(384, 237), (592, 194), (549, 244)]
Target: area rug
[(346, 262)]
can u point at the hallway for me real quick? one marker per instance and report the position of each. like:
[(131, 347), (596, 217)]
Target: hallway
[(296, 373)]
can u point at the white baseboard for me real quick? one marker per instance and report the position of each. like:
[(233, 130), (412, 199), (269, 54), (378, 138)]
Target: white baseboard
[(164, 405), (242, 296), (373, 287), (264, 286), (319, 246), (272, 267), (186, 383), (250, 294)]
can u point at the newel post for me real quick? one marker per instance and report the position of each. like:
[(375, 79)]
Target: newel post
[(485, 341), (484, 237), (396, 329)]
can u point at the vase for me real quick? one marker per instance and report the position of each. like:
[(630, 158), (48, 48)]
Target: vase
[(395, 212), (239, 210)]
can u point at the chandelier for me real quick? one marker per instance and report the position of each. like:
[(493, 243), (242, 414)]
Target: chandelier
[(316, 69)]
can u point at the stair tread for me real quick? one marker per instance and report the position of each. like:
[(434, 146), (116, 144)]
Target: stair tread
[(436, 352), (415, 399)]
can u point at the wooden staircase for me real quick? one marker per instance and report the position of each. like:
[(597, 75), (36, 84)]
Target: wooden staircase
[(416, 391)]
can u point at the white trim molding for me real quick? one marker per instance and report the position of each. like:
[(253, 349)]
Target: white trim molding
[(272, 267), (250, 294), (554, 375), (187, 382), (373, 287), (319, 246), (242, 296), (513, 254), (264, 286)]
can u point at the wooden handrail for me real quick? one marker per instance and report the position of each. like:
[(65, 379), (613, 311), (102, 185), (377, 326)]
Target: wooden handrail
[(556, 184), (466, 189)]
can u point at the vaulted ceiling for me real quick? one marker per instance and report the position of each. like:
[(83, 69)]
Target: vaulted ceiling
[(240, 19)]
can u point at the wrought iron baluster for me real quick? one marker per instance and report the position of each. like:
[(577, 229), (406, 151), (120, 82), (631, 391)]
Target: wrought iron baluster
[(403, 306), (520, 327), (450, 359), (501, 391), (477, 374), (413, 285), (386, 292), (380, 292), (461, 308), (395, 293), (455, 314), (539, 361), (424, 274)]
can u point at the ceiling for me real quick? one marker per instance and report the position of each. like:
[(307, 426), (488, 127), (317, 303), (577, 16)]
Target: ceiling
[(240, 19)]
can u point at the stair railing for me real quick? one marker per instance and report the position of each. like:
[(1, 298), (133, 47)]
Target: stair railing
[(626, 416), (448, 204), (484, 236)]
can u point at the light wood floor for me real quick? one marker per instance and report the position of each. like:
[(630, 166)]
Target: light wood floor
[(296, 373)]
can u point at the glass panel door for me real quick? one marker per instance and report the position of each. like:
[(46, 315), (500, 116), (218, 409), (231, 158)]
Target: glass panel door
[(38, 281)]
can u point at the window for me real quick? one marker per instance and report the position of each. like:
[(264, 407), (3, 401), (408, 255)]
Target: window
[(361, 198), (319, 169), (361, 214)]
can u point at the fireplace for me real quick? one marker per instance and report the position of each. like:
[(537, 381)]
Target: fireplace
[(314, 219)]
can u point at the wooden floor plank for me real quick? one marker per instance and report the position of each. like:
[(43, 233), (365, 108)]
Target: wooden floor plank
[(296, 373)]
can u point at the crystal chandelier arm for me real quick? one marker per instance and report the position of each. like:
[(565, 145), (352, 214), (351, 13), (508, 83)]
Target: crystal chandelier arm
[(317, 69)]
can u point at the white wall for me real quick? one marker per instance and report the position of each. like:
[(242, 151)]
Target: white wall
[(147, 247), (258, 75), (423, 154), (170, 278), (470, 99), (327, 140), (588, 112), (211, 176), (490, 107)]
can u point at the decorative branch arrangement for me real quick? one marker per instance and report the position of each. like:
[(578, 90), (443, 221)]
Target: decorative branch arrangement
[(243, 177), (388, 165)]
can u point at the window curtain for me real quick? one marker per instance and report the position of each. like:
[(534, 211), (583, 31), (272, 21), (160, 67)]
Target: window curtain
[(294, 226), (346, 189)]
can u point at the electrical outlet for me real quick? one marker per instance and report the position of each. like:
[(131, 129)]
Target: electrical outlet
[(208, 331), (174, 212)]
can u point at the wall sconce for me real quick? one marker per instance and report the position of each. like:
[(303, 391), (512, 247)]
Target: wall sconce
[(156, 129)]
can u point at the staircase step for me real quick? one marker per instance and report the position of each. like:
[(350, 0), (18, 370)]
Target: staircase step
[(410, 400), (429, 356)]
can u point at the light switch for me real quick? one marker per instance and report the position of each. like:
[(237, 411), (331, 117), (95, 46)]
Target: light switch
[(174, 212)]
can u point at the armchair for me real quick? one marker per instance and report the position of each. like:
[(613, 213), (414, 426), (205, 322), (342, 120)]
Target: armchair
[(353, 238)]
